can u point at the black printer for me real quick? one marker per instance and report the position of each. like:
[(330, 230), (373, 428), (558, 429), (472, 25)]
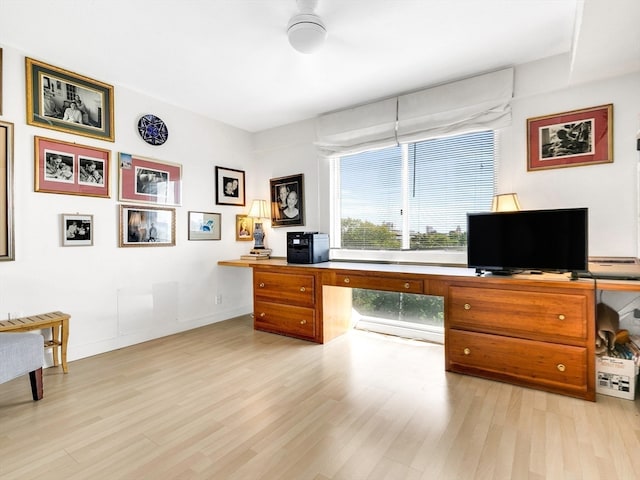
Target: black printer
[(307, 247)]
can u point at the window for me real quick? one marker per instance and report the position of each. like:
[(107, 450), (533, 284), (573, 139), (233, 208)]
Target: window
[(409, 202), (71, 92)]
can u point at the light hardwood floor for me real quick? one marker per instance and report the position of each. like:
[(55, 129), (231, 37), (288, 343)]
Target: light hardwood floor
[(225, 402)]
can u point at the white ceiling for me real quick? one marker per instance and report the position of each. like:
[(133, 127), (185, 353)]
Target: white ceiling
[(230, 59)]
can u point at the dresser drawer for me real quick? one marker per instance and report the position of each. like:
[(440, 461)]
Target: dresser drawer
[(531, 362), (554, 316), (373, 282), (291, 289), (285, 319)]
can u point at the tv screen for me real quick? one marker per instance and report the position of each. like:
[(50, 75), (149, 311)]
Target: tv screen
[(544, 240)]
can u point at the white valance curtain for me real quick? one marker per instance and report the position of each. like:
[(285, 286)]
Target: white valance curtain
[(482, 102)]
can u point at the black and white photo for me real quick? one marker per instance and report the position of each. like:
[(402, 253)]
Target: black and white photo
[(59, 167), (77, 230), (151, 182), (91, 171), (66, 101), (566, 139), (229, 186)]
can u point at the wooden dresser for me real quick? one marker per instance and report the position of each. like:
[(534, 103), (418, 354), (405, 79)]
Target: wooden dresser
[(532, 334), (285, 302), (531, 330)]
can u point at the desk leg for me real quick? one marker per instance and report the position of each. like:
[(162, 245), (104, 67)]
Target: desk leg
[(65, 338), (55, 338)]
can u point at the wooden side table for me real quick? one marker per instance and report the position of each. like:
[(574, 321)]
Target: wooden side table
[(57, 321)]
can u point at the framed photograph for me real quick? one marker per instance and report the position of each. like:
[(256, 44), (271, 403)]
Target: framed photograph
[(147, 226), (68, 102), (287, 201), (145, 180), (77, 230), (70, 168), (0, 81), (204, 226), (244, 228), (570, 139), (6, 192), (229, 186)]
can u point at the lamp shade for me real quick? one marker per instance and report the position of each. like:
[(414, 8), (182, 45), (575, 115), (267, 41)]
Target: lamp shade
[(505, 202), (259, 209), (306, 32)]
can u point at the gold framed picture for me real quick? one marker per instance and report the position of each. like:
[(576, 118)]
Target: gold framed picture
[(69, 102)]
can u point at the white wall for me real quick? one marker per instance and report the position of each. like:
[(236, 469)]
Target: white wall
[(608, 190), (120, 296)]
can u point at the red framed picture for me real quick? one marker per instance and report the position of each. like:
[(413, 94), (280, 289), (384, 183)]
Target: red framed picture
[(578, 137), (70, 168), (144, 180)]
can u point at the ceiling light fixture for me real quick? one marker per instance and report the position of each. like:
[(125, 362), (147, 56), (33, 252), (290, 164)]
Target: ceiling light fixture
[(306, 31)]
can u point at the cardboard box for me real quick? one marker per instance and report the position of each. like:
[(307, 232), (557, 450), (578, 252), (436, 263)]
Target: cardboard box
[(616, 377)]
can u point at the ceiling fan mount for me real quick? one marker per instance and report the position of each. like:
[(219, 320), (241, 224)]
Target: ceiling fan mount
[(306, 30)]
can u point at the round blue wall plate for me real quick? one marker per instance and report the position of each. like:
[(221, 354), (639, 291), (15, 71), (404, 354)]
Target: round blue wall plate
[(152, 130)]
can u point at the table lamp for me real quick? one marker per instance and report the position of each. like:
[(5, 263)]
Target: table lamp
[(505, 202), (258, 211)]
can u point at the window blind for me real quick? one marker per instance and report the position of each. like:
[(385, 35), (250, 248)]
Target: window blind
[(371, 199), (419, 193), (478, 103)]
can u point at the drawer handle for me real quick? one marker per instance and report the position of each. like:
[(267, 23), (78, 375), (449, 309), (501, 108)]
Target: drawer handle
[(303, 322), (561, 367), (561, 317), (467, 306), (262, 315), (407, 285), (467, 351), (346, 280), (302, 289), (261, 285)]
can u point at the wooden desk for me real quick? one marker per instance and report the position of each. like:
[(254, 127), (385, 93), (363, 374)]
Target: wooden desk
[(58, 322), (531, 330)]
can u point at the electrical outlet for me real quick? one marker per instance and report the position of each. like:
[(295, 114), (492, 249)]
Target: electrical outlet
[(636, 313), (218, 299)]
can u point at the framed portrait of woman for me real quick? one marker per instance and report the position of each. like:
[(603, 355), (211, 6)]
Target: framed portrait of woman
[(287, 201), (244, 228)]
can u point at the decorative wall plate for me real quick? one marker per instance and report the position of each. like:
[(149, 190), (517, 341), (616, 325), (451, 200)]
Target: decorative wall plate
[(152, 130)]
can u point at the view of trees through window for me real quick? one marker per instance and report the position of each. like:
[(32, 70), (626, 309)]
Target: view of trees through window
[(413, 197), (404, 307), (363, 234)]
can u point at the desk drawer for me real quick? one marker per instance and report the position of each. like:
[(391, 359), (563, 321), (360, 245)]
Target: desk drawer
[(291, 289), (529, 361), (372, 282), (285, 319), (538, 315)]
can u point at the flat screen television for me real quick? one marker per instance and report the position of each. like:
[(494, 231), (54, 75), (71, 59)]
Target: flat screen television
[(535, 240)]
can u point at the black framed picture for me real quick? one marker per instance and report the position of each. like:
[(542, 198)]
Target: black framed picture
[(287, 201), (229, 186)]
